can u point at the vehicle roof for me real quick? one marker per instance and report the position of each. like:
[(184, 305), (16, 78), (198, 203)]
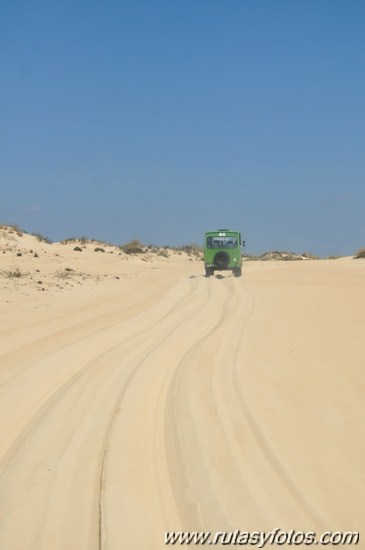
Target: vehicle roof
[(226, 231)]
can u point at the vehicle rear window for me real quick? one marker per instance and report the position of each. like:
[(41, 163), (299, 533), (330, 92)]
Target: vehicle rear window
[(221, 242)]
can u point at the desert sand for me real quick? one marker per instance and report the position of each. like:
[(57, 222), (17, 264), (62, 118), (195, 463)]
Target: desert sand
[(138, 396)]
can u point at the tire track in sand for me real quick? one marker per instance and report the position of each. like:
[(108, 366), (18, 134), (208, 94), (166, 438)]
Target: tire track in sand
[(61, 365), (58, 454), (146, 428), (136, 483), (234, 475)]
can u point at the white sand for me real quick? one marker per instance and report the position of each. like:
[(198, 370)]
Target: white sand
[(138, 397)]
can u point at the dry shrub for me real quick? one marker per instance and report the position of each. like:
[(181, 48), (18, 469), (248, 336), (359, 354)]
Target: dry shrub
[(360, 254), (133, 247)]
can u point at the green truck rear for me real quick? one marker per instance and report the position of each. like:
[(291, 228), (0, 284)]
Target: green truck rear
[(223, 252)]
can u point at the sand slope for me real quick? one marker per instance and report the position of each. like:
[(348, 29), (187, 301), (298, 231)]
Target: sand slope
[(165, 400)]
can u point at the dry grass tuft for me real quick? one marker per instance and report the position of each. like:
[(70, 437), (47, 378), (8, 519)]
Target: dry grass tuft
[(360, 254), (41, 238), (14, 273)]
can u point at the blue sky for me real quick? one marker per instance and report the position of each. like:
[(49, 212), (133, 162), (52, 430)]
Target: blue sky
[(160, 120)]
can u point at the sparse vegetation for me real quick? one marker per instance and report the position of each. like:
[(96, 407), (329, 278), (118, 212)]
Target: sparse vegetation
[(133, 247), (281, 256), (191, 250), (250, 257), (81, 240), (276, 255), (14, 228), (14, 272), (41, 238), (64, 273), (69, 240), (360, 254)]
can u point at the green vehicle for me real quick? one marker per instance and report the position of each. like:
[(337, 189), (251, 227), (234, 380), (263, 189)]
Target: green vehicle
[(223, 252)]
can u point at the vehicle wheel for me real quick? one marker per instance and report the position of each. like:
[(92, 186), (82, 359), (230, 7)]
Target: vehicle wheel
[(221, 259), (209, 271), (237, 272)]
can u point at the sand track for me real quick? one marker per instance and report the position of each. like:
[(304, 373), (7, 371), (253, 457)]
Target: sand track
[(119, 425)]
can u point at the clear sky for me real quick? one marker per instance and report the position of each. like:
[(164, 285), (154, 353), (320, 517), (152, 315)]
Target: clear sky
[(163, 119)]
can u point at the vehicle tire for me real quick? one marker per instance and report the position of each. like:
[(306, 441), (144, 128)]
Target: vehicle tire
[(221, 259), (209, 271), (237, 272)]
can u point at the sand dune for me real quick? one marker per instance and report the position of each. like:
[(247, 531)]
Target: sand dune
[(142, 397)]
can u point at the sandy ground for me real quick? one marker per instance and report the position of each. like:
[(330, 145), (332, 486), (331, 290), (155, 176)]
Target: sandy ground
[(138, 397)]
